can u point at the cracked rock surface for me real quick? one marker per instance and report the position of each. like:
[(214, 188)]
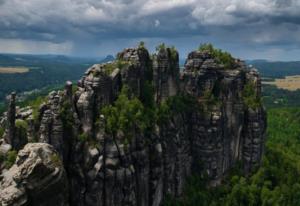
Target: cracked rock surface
[(37, 178)]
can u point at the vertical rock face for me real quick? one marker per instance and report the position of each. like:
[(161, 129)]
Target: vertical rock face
[(94, 91), (227, 130), (254, 128), (206, 137), (136, 69), (176, 154), (11, 118), (165, 73)]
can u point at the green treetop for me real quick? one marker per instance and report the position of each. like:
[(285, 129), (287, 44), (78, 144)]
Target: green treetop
[(221, 56)]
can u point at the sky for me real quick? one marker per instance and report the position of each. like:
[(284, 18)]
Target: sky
[(249, 29)]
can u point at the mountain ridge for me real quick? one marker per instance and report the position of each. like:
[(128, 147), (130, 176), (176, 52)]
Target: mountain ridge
[(133, 130)]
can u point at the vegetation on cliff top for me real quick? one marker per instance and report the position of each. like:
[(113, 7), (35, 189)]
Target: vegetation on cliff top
[(172, 49), (221, 56), (118, 63)]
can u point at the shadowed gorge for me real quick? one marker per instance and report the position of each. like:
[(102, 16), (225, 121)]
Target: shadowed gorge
[(134, 130)]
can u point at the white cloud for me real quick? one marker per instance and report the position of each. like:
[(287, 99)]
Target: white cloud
[(230, 12), (74, 13), (151, 7), (156, 23)]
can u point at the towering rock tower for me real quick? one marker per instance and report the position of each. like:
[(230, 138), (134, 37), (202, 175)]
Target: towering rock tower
[(165, 73), (11, 118), (198, 121)]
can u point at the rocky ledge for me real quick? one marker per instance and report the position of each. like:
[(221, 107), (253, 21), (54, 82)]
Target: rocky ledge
[(132, 131)]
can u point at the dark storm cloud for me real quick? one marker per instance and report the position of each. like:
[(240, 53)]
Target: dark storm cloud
[(99, 19), (248, 23)]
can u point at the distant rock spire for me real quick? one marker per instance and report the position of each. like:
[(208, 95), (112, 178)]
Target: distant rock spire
[(11, 118), (68, 89)]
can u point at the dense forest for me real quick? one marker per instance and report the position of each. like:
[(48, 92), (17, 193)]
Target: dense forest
[(276, 69), (276, 182), (276, 97)]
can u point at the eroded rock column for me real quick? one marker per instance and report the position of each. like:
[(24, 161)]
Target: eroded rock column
[(11, 118)]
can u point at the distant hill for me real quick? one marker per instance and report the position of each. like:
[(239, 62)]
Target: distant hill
[(276, 69), (28, 59), (44, 70), (108, 58)]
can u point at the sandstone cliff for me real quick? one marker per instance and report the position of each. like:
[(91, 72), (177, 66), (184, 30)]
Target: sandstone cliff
[(205, 119)]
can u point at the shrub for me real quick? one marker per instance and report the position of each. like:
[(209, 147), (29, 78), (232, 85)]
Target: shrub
[(21, 124), (126, 115), (173, 51), (1, 132), (2, 158), (141, 45), (110, 67), (250, 98), (35, 105), (83, 137), (210, 99), (176, 105), (160, 47), (10, 158), (22, 127), (55, 159), (66, 115), (222, 57)]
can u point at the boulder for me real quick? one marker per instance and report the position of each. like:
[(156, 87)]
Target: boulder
[(37, 178)]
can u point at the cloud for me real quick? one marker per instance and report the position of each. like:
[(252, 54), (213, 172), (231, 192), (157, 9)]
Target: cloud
[(249, 23), (156, 23), (231, 12)]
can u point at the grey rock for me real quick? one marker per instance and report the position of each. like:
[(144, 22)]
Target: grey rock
[(10, 136), (104, 169), (166, 74), (36, 178)]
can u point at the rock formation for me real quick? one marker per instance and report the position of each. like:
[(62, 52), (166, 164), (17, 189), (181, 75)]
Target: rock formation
[(165, 73), (11, 118), (214, 119), (37, 178)]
